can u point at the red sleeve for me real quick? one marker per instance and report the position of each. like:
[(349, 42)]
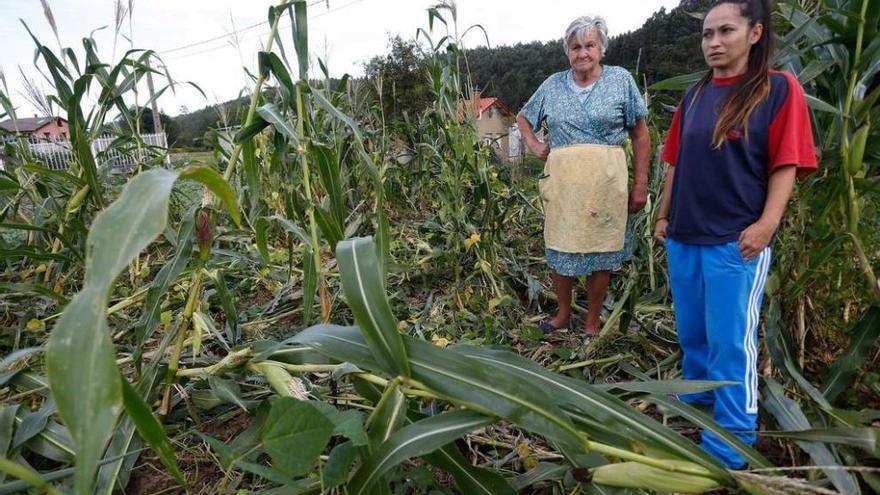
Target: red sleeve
[(791, 135), (673, 139)]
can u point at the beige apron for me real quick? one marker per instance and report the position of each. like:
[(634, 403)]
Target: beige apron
[(584, 192)]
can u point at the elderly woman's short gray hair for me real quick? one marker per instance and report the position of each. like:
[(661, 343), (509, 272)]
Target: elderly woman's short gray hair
[(581, 27)]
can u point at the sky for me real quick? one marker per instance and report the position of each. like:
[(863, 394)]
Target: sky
[(194, 38)]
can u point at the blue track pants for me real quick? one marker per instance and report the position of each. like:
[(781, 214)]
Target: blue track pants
[(717, 297)]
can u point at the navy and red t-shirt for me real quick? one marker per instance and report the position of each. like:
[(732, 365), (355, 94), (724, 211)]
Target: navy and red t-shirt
[(717, 193)]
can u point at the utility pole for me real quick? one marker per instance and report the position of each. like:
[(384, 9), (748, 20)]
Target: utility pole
[(157, 122)]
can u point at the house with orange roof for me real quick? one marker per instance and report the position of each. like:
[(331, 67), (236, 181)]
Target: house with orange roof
[(493, 120)]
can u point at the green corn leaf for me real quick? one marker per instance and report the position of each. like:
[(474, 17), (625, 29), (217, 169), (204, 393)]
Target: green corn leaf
[(601, 405), (867, 439), (7, 426), (330, 227), (53, 442), (791, 418), (821, 106), (678, 83), (150, 429), (299, 20), (249, 131), (125, 446), (8, 184), (295, 434), (544, 471), (309, 283), (783, 357), (282, 75), (215, 182), (864, 336), (88, 389), (666, 387), (706, 423), (227, 391), (227, 302), (364, 285), (389, 415), (274, 117), (163, 281), (478, 386), (32, 424), (857, 150), (468, 478), (417, 439)]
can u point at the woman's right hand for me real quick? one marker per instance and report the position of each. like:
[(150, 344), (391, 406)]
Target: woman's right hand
[(541, 150), (660, 230)]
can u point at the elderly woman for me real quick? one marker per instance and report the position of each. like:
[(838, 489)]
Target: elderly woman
[(590, 109)]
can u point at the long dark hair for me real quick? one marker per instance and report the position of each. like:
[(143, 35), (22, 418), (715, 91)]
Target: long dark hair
[(754, 86)]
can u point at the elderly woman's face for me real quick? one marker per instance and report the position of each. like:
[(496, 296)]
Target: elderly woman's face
[(584, 57)]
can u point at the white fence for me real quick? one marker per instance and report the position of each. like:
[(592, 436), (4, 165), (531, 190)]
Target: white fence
[(121, 156)]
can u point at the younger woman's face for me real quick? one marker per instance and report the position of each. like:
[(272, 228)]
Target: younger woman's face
[(727, 37)]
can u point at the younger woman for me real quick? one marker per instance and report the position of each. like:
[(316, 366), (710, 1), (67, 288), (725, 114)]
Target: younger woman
[(737, 141)]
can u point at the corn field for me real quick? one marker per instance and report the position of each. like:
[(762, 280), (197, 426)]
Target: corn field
[(302, 312)]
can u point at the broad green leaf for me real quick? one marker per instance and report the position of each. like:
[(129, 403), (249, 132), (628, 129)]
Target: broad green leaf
[(364, 285), (339, 463), (864, 336), (150, 429), (295, 434), (791, 418), (349, 424), (416, 439)]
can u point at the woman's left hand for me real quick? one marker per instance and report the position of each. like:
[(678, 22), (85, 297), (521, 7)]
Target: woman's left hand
[(755, 238), (638, 197)]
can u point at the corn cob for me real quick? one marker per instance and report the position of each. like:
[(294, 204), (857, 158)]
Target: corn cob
[(637, 475)]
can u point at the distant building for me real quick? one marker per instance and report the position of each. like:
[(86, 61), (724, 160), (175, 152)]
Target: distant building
[(40, 128), (493, 120)]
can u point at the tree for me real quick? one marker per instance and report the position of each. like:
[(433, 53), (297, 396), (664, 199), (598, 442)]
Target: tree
[(402, 76)]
